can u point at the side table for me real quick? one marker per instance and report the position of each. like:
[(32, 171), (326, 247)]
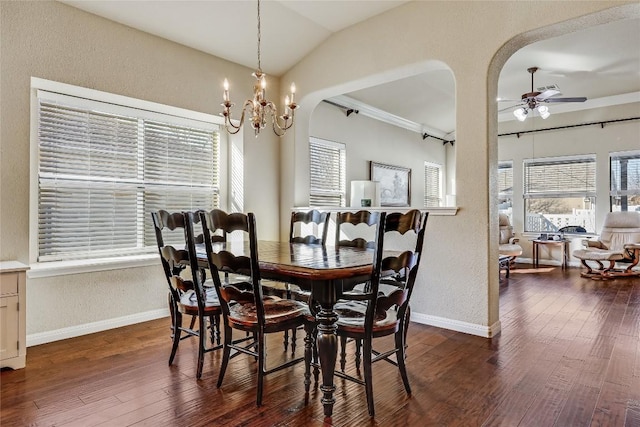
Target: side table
[(564, 244)]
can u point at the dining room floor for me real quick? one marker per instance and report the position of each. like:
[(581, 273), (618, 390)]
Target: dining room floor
[(568, 355)]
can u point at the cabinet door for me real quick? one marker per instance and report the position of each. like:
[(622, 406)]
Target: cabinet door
[(9, 325)]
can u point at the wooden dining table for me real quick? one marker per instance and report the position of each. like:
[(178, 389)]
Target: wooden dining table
[(325, 271)]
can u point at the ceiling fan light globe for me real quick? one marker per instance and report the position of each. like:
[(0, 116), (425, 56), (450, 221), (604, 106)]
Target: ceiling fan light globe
[(520, 114), (543, 110)]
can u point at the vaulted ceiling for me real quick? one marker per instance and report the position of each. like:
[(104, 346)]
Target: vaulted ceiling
[(601, 63)]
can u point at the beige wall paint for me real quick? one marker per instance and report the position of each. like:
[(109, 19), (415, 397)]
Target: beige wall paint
[(458, 282), (56, 42)]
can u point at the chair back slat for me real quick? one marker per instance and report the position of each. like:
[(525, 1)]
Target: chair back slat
[(319, 219), (353, 237)]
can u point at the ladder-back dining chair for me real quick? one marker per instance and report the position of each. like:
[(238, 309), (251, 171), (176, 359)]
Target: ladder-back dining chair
[(187, 294), (368, 314), (244, 306)]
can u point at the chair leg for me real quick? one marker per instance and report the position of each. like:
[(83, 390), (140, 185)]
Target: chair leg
[(294, 337), (368, 375), (261, 364), (358, 353), (202, 339), (286, 340), (177, 329), (217, 319), (343, 352), (400, 358), (308, 344), (226, 353)]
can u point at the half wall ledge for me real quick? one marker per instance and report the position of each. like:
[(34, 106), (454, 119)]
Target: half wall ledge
[(436, 211)]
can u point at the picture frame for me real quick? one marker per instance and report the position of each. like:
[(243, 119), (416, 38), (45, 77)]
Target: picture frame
[(395, 183)]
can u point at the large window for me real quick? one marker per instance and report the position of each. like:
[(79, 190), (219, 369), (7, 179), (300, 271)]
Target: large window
[(327, 168), (625, 181), (560, 192), (432, 173), (103, 168), (505, 188)]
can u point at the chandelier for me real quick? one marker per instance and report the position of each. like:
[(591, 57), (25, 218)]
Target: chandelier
[(259, 108)]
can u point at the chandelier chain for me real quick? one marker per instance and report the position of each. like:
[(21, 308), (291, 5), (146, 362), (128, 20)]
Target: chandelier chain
[(259, 66)]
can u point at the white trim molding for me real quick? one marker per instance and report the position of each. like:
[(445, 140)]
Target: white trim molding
[(90, 328), (457, 325)]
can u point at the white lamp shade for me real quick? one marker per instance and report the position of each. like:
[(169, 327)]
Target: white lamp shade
[(363, 191)]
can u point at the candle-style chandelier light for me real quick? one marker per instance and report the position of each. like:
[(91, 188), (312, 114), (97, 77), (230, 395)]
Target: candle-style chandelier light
[(259, 107)]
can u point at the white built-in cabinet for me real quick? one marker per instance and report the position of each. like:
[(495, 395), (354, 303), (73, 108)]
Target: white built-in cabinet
[(13, 346)]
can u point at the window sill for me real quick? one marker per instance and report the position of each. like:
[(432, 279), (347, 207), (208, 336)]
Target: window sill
[(62, 268)]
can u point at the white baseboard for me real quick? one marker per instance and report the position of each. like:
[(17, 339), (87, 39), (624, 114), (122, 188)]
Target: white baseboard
[(457, 325), (90, 328)]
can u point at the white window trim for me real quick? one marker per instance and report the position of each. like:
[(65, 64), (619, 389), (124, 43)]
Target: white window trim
[(57, 268)]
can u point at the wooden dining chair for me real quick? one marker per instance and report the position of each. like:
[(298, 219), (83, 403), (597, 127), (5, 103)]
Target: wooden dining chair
[(187, 294), (244, 306), (367, 314), (306, 227)]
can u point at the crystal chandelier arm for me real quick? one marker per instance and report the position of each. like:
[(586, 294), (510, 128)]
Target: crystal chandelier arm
[(231, 128)]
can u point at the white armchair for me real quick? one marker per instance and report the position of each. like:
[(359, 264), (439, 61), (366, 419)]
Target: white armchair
[(619, 242), (508, 243)]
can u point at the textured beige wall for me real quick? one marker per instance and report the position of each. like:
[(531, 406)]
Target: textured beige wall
[(53, 41), (458, 281)]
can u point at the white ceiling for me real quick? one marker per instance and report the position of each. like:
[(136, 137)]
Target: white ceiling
[(598, 62)]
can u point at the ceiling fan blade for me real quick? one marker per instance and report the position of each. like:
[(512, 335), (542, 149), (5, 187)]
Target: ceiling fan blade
[(509, 108), (509, 100), (578, 99), (547, 94)]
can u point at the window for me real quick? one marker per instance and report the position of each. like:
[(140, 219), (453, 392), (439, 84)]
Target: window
[(432, 173), (560, 192), (625, 181), (103, 168), (327, 168), (505, 188)]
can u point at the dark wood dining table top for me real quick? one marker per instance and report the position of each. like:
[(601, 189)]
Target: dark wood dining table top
[(302, 262)]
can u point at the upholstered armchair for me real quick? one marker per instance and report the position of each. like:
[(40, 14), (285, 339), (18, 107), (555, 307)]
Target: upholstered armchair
[(619, 242), (508, 243)]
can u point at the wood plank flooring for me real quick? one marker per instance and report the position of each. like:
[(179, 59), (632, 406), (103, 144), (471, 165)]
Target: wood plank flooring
[(568, 355)]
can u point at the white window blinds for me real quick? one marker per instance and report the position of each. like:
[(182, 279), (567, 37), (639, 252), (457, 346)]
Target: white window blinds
[(101, 173), (625, 180), (431, 184), (505, 178), (327, 166), (561, 177)]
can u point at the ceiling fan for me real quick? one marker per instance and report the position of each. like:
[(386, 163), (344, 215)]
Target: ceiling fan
[(534, 100)]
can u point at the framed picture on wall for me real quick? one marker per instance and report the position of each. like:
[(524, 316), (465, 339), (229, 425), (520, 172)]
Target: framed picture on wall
[(395, 184)]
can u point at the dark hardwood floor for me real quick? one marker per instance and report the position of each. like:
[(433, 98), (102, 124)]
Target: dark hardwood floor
[(568, 355)]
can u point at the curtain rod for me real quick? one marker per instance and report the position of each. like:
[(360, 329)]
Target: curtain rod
[(347, 110), (601, 123)]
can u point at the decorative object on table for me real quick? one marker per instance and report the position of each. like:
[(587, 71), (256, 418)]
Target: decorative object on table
[(619, 242), (395, 184), (365, 194), (259, 107)]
